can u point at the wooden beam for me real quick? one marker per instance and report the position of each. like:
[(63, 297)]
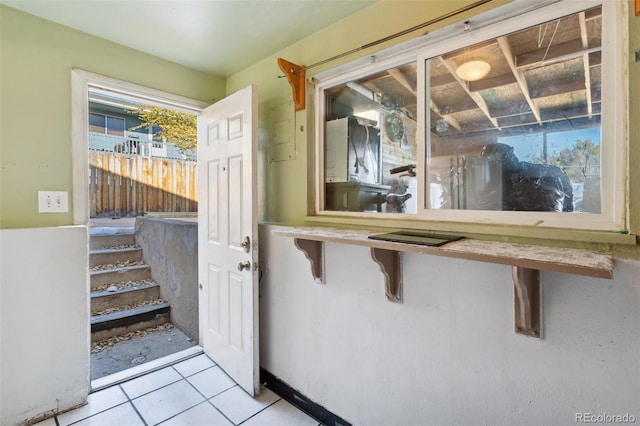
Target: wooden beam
[(402, 79), (469, 51), (559, 52), (493, 82), (585, 61), (447, 117), (441, 80), (505, 47), (556, 89)]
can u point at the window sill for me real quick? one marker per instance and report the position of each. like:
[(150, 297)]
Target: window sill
[(478, 229), (526, 260)]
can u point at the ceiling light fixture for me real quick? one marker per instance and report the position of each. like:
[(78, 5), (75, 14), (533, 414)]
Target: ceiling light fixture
[(473, 70)]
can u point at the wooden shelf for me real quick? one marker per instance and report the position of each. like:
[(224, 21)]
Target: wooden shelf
[(526, 261)]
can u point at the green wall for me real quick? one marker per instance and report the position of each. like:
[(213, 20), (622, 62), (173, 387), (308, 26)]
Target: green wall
[(37, 57), (285, 191), (287, 188), (35, 107)]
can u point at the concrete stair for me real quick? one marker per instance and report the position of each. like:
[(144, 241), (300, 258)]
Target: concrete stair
[(124, 298)]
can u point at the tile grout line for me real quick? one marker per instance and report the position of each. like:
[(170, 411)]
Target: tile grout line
[(130, 400), (207, 400), (151, 391), (182, 377), (92, 415), (135, 408), (255, 414), (219, 393)]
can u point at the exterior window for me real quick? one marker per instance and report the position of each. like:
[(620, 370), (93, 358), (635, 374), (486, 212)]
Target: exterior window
[(503, 126), (99, 123), (115, 126)]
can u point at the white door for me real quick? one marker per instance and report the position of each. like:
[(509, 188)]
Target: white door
[(227, 232)]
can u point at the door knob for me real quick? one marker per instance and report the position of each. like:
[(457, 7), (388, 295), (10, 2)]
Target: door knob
[(244, 265), (246, 244)]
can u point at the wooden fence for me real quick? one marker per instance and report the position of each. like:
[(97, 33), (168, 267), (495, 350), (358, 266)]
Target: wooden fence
[(130, 185)]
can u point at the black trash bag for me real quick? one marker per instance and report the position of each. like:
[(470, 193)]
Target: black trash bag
[(529, 186)]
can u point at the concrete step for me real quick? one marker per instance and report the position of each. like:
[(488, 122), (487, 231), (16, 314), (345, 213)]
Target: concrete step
[(106, 256), (116, 275), (103, 300), (122, 322), (101, 241)]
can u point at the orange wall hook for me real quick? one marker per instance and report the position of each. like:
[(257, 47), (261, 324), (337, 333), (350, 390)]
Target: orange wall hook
[(296, 77)]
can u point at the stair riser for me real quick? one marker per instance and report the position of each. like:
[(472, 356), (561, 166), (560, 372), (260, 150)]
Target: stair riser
[(106, 241), (114, 300), (114, 257), (117, 331), (110, 277)]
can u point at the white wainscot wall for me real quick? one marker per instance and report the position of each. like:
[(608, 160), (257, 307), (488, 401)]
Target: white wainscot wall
[(449, 354), (44, 317)]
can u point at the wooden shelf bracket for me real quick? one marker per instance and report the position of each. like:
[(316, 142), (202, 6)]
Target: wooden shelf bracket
[(389, 261), (296, 75), (313, 252), (527, 301), (526, 263)]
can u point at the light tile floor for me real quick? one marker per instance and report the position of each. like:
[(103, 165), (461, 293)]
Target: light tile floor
[(191, 392)]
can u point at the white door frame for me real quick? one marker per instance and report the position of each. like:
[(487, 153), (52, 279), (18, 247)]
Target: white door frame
[(81, 81)]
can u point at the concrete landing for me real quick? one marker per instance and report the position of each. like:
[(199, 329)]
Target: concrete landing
[(138, 350)]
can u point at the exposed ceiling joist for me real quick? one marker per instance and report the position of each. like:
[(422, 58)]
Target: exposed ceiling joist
[(505, 47), (402, 79), (558, 52), (585, 60), (448, 118)]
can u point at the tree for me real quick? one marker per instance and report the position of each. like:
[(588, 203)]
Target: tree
[(579, 161), (176, 128)]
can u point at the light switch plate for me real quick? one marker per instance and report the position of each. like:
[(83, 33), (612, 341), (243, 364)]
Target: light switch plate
[(53, 201)]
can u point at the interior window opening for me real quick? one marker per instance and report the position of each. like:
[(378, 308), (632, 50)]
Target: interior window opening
[(370, 143), (514, 122)]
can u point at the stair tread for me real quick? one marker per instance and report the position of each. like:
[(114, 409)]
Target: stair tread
[(120, 268), (101, 232), (138, 310), (123, 290), (106, 250)]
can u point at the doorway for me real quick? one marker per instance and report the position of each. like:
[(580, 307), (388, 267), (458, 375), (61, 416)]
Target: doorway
[(131, 177)]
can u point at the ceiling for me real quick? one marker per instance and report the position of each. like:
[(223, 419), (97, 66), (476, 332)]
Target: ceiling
[(220, 37)]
